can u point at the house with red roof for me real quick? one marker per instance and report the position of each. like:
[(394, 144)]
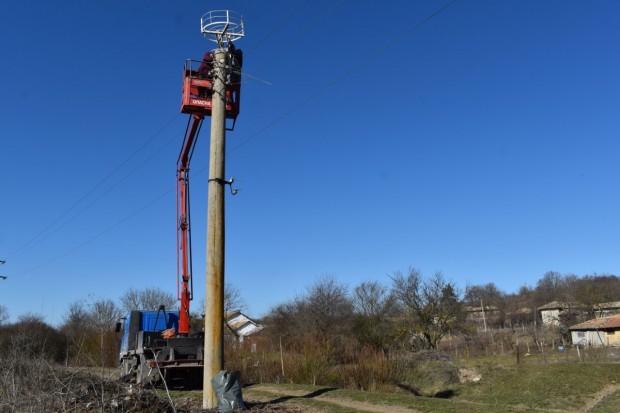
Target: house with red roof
[(598, 332)]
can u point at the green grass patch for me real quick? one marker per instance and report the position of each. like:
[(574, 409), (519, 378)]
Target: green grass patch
[(608, 404), (423, 404), (551, 386), (332, 401), (433, 386), (504, 386)]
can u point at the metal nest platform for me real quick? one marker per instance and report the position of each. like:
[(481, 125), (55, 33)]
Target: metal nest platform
[(222, 26)]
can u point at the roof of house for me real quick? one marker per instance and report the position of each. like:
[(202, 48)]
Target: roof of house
[(478, 309), (603, 323), (607, 306), (241, 324), (559, 305)]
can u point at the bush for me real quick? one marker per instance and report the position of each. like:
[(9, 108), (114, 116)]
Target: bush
[(371, 371), (32, 337)]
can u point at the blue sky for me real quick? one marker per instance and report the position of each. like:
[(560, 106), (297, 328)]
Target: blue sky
[(482, 143)]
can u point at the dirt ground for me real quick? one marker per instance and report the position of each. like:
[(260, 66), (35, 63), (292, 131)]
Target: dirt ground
[(84, 392), (42, 387), (89, 396), (57, 389), (290, 396), (63, 390)]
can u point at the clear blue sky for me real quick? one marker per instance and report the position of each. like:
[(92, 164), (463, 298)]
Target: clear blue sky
[(483, 143)]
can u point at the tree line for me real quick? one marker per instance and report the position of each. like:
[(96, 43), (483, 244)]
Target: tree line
[(86, 335), (409, 313), (413, 312)]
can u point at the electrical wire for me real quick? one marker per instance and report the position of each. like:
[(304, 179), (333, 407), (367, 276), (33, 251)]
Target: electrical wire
[(40, 237), (293, 109), (300, 35), (343, 75), (278, 27), (100, 234)]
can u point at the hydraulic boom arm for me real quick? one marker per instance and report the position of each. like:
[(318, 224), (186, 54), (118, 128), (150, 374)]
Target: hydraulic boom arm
[(184, 241)]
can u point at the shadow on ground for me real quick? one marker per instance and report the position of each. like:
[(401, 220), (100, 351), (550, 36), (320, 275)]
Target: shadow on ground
[(444, 394), (312, 395)]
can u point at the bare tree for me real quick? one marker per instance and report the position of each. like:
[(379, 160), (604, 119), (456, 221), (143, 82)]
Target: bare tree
[(233, 301), (431, 307), (104, 315), (89, 331), (593, 291), (4, 315), (281, 319), (550, 288), (100, 315), (374, 310), (75, 326), (491, 298), (488, 294), (148, 299), (372, 299), (324, 311), (326, 308)]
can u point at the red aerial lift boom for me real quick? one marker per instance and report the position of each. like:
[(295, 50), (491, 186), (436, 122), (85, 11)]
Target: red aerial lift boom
[(150, 352), (197, 101), (184, 242)]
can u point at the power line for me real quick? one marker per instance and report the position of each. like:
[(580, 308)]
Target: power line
[(91, 239), (40, 237), (26, 246), (300, 35), (293, 109), (346, 73), (277, 27), (37, 239)]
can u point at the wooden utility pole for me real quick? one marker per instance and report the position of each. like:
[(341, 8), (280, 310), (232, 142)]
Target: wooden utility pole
[(223, 27), (214, 295)]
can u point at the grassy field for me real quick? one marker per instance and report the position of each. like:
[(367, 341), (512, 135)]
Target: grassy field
[(555, 382), (503, 386)]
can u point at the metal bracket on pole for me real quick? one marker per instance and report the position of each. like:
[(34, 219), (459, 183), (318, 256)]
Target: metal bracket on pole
[(225, 182)]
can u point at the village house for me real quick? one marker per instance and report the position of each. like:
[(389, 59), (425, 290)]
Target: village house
[(598, 332), (551, 313), (241, 325), (484, 317), (607, 309)]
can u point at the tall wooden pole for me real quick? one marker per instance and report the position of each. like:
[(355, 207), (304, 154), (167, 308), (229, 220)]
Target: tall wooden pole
[(214, 296)]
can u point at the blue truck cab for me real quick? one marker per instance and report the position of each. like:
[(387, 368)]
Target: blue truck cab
[(142, 327), (148, 356)]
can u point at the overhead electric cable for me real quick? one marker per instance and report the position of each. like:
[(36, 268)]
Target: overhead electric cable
[(40, 237), (300, 35), (277, 27), (36, 239), (93, 202), (105, 231), (343, 75), (322, 89)]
